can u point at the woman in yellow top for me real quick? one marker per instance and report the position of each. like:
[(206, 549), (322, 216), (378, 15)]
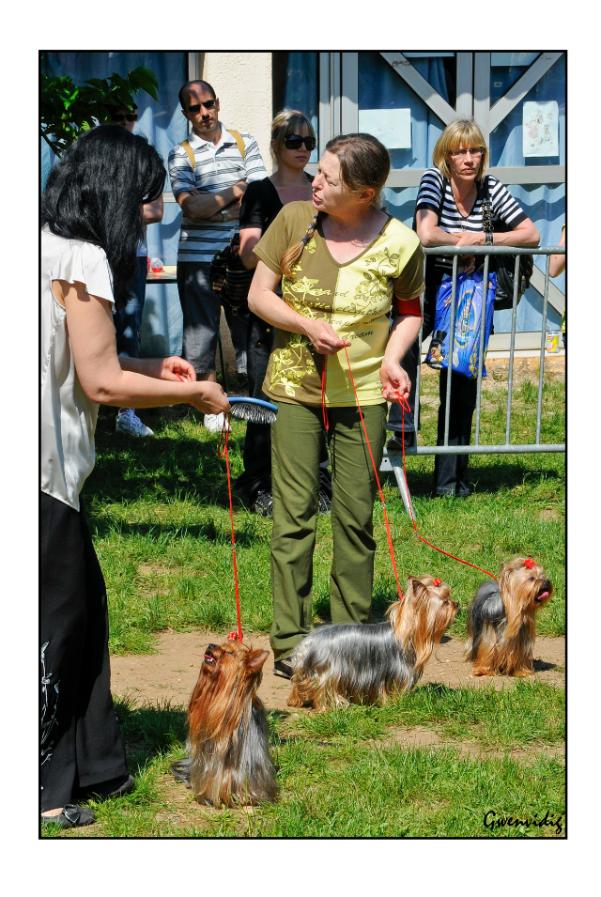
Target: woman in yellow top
[(345, 266)]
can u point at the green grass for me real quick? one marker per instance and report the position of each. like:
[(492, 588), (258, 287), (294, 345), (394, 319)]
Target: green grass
[(345, 774), (162, 531), (512, 718), (158, 511)]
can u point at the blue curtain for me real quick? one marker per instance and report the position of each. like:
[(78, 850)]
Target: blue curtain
[(545, 204), (162, 123), (381, 88), (301, 76)]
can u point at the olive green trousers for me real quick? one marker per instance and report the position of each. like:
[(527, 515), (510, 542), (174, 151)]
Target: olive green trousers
[(295, 484)]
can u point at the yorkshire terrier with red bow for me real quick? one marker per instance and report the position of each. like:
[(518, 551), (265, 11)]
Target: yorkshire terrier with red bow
[(365, 663), (228, 761), (501, 619)]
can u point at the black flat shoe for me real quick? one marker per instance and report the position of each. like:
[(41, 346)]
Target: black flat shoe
[(72, 816), (283, 668), (107, 790)]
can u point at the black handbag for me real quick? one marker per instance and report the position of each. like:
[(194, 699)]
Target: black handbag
[(504, 265), (229, 278)]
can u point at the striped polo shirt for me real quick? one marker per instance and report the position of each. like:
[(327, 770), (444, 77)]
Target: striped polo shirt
[(429, 196), (218, 166)]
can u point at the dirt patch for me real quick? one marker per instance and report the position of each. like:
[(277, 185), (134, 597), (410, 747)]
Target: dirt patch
[(169, 675), (421, 737)]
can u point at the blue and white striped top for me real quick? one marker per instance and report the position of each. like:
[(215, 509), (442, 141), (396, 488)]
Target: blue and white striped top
[(429, 195), (505, 207), (218, 166)]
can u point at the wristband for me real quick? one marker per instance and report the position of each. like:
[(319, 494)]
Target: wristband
[(488, 239)]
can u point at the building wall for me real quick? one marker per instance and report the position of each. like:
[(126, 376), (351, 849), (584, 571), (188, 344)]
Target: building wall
[(243, 83)]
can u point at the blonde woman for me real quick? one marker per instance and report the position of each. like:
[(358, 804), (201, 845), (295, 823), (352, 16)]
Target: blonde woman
[(343, 265), (449, 213), (292, 142)]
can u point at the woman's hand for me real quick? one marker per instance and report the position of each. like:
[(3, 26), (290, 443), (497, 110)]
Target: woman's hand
[(471, 238), (172, 368), (395, 382), (175, 368), (209, 398), (324, 338)]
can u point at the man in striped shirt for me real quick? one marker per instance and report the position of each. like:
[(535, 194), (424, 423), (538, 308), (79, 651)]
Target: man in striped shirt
[(209, 193)]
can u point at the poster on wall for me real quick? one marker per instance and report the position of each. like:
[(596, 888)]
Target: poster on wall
[(392, 127), (540, 129)]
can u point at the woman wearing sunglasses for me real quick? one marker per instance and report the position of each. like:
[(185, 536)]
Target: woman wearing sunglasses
[(344, 266), (292, 142)]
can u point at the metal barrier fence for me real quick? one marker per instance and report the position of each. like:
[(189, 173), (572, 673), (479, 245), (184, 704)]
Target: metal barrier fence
[(392, 460)]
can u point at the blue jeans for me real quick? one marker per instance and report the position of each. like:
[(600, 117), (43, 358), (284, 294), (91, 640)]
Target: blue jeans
[(128, 320), (201, 312)]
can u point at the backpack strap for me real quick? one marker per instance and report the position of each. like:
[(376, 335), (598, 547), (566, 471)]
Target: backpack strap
[(187, 147), (185, 144), (239, 142)]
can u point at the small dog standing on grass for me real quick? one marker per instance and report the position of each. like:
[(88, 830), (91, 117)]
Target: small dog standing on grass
[(365, 663), (501, 619), (228, 759)]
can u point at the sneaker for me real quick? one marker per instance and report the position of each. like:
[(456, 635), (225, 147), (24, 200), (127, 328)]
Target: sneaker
[(216, 423), (283, 668), (129, 423), (263, 503)]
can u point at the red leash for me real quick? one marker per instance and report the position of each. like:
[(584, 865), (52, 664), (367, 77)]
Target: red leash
[(406, 407), (224, 452), (375, 468)]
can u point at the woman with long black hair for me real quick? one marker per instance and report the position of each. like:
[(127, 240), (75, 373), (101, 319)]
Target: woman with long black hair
[(92, 222)]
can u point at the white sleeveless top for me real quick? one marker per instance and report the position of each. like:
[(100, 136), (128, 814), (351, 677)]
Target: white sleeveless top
[(68, 417)]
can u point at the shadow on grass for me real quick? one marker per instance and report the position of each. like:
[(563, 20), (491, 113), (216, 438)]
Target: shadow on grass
[(157, 467), (246, 536), (150, 731), (484, 479)]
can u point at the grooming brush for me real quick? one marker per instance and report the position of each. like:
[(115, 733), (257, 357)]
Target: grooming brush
[(256, 411)]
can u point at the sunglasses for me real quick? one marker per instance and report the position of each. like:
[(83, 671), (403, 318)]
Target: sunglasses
[(295, 141), (195, 107), (124, 116)]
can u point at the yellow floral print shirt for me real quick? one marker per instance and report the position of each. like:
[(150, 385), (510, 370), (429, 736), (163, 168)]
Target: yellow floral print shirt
[(355, 298)]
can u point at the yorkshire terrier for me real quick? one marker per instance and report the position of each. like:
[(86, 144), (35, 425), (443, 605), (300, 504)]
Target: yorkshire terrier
[(501, 619), (366, 663), (228, 762)]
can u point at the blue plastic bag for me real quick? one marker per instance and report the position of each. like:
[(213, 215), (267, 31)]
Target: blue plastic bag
[(468, 315)]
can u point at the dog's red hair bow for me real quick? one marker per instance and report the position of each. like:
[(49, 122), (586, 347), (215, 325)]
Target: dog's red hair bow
[(437, 582), (529, 563)]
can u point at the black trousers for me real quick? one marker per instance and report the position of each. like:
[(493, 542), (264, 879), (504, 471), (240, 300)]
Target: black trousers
[(450, 471), (81, 743)]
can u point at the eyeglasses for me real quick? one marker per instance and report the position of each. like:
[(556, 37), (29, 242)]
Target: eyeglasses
[(473, 151), (124, 116), (195, 107), (295, 141)]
